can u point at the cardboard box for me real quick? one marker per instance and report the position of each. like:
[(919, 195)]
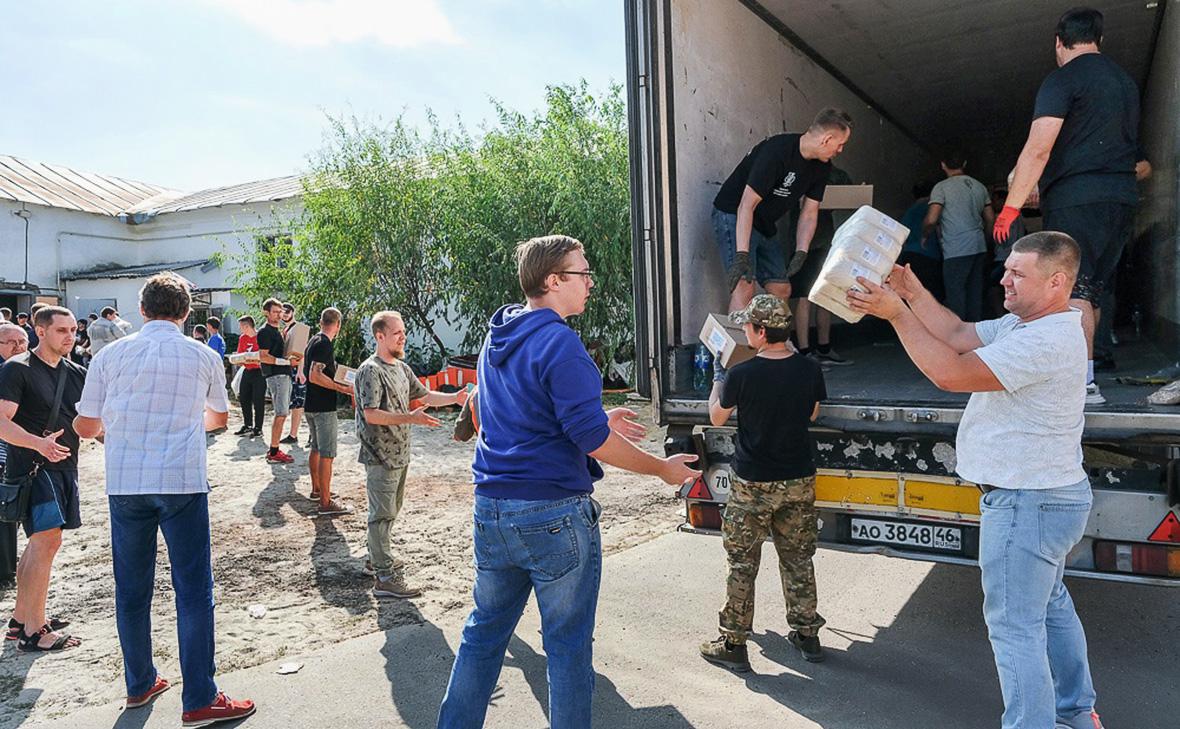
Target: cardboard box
[(243, 357), (846, 197), (296, 338), (344, 375), (726, 341)]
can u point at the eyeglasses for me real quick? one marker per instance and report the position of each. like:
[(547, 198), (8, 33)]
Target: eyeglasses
[(587, 273)]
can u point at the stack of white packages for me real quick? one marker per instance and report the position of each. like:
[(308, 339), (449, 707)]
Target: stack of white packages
[(865, 246)]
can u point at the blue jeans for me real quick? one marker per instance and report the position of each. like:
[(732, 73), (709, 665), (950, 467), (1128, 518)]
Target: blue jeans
[(184, 520), (766, 254), (1038, 641), (554, 549)]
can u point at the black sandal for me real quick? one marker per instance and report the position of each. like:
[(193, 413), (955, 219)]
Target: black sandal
[(32, 643), (15, 628)]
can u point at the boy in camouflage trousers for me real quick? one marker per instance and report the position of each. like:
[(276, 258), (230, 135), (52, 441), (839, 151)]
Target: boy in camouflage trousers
[(776, 395), (384, 387)]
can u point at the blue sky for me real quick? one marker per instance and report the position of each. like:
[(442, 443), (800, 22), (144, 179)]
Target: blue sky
[(192, 94)]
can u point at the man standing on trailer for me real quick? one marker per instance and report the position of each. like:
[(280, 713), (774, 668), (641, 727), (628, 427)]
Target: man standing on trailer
[(768, 181), (1082, 146), (1024, 373)]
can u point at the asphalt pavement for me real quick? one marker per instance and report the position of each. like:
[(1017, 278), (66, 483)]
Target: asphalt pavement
[(906, 650)]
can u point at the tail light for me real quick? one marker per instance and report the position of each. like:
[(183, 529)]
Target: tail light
[(703, 515), (1140, 559)]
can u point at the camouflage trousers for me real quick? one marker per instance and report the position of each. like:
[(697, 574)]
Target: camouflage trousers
[(785, 511)]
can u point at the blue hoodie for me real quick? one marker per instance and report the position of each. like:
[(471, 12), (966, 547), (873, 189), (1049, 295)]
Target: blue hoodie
[(540, 409)]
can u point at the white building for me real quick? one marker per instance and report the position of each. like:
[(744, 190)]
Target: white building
[(86, 241)]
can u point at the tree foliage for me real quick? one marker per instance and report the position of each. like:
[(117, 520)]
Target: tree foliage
[(427, 223)]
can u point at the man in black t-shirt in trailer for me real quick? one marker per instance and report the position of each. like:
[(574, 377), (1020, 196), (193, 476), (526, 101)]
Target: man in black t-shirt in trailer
[(28, 383), (319, 368), (1082, 146), (271, 348), (776, 395), (768, 182)]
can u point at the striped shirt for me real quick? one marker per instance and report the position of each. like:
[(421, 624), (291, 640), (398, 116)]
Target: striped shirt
[(151, 389)]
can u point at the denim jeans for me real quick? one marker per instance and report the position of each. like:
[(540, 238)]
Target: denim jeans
[(554, 549), (184, 520), (767, 261), (1038, 641)]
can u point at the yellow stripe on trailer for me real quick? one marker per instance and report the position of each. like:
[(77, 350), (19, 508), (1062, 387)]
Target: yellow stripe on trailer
[(850, 489), (942, 496)]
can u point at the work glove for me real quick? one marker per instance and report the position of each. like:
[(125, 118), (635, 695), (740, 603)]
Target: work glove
[(796, 263), (718, 370), (740, 269), (1004, 223)]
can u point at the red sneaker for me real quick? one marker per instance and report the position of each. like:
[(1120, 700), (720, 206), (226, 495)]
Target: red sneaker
[(160, 686), (279, 457), (222, 709)]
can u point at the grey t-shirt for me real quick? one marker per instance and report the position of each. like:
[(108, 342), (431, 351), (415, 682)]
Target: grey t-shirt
[(960, 226), (1028, 435)]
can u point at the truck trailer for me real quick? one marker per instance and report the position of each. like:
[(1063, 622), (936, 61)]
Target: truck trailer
[(709, 79)]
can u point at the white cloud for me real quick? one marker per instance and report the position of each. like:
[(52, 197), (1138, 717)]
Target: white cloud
[(397, 23)]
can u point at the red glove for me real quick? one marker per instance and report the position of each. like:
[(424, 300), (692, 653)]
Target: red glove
[(1004, 222)]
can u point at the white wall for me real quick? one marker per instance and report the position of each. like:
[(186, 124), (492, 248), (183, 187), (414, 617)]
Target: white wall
[(736, 83)]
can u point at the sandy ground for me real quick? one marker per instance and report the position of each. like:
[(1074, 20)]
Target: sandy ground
[(268, 549)]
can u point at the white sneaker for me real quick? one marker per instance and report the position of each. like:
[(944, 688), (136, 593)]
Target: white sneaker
[(1094, 395)]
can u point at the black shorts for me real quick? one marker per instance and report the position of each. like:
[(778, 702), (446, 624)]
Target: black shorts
[(802, 281), (1101, 230), (53, 502)]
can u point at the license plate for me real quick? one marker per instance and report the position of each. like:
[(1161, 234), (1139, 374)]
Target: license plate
[(925, 536)]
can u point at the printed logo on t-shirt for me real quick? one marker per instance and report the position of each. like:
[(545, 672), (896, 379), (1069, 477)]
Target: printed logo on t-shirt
[(784, 190)]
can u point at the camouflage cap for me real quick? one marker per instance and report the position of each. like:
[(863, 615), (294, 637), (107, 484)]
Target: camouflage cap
[(764, 310)]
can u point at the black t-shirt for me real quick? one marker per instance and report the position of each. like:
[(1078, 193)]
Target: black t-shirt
[(774, 399), (30, 383), (777, 172), (1093, 159), (270, 339), (319, 349)]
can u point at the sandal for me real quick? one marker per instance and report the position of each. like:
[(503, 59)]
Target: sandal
[(32, 643), (15, 628)]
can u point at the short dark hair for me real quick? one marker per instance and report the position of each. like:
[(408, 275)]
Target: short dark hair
[(288, 306), (954, 159), (271, 303), (1052, 247), (44, 315), (22, 315), (165, 296), (213, 323), (246, 320), (831, 119), (1080, 25), (330, 316), (92, 316), (380, 319), (536, 258), (200, 329), (106, 311), (775, 335), (38, 306), (6, 312)]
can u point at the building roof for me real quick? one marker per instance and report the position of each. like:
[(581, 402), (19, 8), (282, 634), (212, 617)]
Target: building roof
[(55, 186), (149, 269), (272, 190)]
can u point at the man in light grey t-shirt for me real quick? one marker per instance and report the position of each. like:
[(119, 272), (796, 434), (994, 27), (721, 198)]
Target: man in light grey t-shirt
[(1020, 439), (960, 209)]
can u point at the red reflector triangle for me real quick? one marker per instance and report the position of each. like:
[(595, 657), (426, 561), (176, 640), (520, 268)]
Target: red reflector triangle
[(1167, 531), (700, 490)]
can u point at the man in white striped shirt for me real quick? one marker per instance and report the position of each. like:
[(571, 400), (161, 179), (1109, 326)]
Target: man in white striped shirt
[(152, 396)]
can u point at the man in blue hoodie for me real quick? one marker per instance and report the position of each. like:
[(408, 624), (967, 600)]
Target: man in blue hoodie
[(542, 433)]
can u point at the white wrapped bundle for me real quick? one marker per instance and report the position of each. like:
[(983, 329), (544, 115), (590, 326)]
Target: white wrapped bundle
[(865, 246)]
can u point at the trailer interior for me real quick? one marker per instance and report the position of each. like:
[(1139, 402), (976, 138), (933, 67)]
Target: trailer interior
[(711, 78)]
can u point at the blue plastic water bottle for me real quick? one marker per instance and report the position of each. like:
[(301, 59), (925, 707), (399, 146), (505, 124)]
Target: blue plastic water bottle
[(702, 369)]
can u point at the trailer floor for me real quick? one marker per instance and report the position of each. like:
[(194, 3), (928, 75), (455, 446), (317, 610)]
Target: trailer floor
[(882, 374)]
